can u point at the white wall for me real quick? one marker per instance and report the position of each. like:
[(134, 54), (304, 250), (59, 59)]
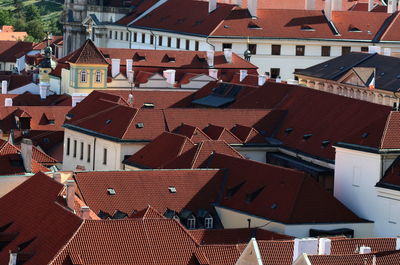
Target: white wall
[(31, 87), (8, 183)]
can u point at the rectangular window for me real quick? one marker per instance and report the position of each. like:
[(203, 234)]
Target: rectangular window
[(127, 36), (252, 48), (88, 152), (98, 77), (68, 145), (159, 40), (208, 222), (178, 43), (81, 156), (151, 39), (300, 50), (105, 156), (143, 38), (196, 46), (346, 50), (116, 35), (226, 46), (326, 51), (187, 44), (135, 37), (276, 49), (121, 35), (275, 72), (74, 148), (364, 49), (110, 34), (169, 42)]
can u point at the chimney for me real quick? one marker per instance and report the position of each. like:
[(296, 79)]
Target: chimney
[(4, 87), (365, 250), (228, 55), (85, 211), (26, 153), (43, 88), (398, 243), (115, 67), (130, 75), (170, 76), (305, 245), (310, 4), (387, 51), (212, 5), (374, 49), (262, 79), (278, 79), (370, 5), (13, 258), (239, 3), (129, 64), (392, 6), (213, 73), (130, 99), (57, 177), (8, 102), (243, 74), (336, 5), (324, 246), (252, 7), (70, 198), (210, 58), (328, 9)]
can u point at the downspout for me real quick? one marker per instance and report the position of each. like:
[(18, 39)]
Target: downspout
[(130, 37), (154, 39), (209, 43), (94, 153)]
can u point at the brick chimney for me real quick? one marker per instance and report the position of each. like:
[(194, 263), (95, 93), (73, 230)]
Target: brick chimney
[(70, 198), (85, 212), (26, 153)]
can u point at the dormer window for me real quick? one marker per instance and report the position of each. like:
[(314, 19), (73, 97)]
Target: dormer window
[(208, 222), (354, 29), (98, 77), (83, 76), (307, 28), (191, 222)]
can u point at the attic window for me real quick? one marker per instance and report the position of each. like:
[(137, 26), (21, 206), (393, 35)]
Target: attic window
[(148, 105), (364, 135), (250, 197), (274, 206), (288, 131), (307, 28), (168, 59), (226, 26), (307, 136), (253, 25), (140, 125), (325, 143), (354, 29), (51, 122), (172, 189), (111, 191), (108, 121), (139, 57)]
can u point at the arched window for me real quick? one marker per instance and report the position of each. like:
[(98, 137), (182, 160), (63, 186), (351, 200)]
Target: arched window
[(191, 222), (208, 222), (83, 76), (98, 77)]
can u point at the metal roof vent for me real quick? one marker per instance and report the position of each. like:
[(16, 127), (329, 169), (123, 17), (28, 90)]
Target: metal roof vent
[(364, 135), (140, 125), (274, 206), (111, 191), (325, 143), (172, 189), (108, 121), (288, 130), (148, 105), (307, 136)]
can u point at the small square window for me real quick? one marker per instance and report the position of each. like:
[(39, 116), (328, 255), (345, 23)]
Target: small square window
[(226, 46), (187, 44), (300, 50), (276, 49), (169, 42), (143, 38), (196, 46), (178, 43), (116, 35), (326, 51), (346, 50), (275, 72), (160, 41), (252, 48), (135, 37), (364, 49)]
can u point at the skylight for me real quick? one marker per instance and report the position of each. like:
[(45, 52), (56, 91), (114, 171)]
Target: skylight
[(307, 136), (172, 189), (108, 121), (288, 130), (111, 191), (307, 28), (253, 25), (364, 135), (140, 125), (325, 143), (274, 206)]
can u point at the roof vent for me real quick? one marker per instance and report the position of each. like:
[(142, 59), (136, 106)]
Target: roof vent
[(288, 130), (111, 191), (364, 135), (140, 125), (108, 121), (274, 206), (354, 29), (325, 143), (148, 105), (226, 26), (307, 136), (172, 189), (253, 25), (307, 28)]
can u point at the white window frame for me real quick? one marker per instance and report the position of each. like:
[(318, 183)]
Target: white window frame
[(98, 77), (83, 76), (191, 222), (208, 222)]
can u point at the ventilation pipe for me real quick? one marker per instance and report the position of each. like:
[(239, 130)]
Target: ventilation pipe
[(115, 67), (4, 87)]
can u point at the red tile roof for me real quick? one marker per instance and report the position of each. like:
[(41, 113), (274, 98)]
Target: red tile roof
[(28, 99), (87, 54), (276, 252), (193, 133), (382, 258), (15, 81), (391, 135), (33, 213), (351, 246), (10, 51)]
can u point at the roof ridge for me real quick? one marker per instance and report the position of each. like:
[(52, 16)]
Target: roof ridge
[(386, 129), (199, 147), (130, 122), (233, 149)]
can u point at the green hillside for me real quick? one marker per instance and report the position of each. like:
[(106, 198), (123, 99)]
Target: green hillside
[(34, 16)]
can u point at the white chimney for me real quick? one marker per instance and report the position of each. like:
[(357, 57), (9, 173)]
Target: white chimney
[(43, 89), (13, 258), (310, 4), (370, 5), (328, 9), (26, 153), (210, 58), (115, 67), (387, 51), (170, 76), (129, 64), (85, 212), (57, 176), (365, 250), (392, 6), (252, 7), (4, 87), (374, 49), (130, 99), (262, 79), (239, 3), (77, 97), (213, 73), (8, 102), (336, 5), (324, 246), (278, 79), (212, 5), (70, 198), (228, 55), (243, 74), (305, 245), (130, 75), (398, 243)]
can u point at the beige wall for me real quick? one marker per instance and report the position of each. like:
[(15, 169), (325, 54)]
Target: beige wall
[(8, 183)]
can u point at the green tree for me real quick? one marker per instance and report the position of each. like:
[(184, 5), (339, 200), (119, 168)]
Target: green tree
[(31, 12), (36, 29), (5, 17)]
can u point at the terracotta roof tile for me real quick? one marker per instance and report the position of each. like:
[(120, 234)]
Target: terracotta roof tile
[(352, 246), (193, 133), (382, 258), (220, 133), (391, 134)]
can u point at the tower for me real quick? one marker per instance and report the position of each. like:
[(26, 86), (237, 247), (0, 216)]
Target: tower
[(45, 67)]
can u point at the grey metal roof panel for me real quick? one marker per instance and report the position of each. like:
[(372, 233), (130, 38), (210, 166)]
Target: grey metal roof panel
[(213, 101)]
